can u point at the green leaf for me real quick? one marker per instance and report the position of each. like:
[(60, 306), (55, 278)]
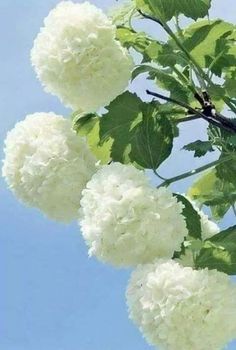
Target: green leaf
[(173, 113), (117, 125), (217, 92), (169, 55), (140, 42), (219, 252), (219, 211), (230, 84), (153, 139), (88, 126), (192, 218), (232, 104), (166, 80), (194, 8), (227, 170), (227, 144), (213, 192), (139, 134), (222, 139), (224, 57), (142, 69), (83, 123), (200, 148), (202, 40), (164, 10), (161, 9)]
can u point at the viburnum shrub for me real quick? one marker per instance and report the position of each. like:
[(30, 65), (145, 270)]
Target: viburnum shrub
[(94, 165)]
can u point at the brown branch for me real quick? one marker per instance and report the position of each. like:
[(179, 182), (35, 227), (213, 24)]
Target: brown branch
[(217, 120)]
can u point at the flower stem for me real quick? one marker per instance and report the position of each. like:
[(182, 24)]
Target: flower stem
[(195, 171)]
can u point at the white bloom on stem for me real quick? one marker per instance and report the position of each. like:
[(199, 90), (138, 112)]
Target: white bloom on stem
[(180, 308), (78, 59), (125, 221), (47, 165)]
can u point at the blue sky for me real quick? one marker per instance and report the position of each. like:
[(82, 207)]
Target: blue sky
[(53, 297)]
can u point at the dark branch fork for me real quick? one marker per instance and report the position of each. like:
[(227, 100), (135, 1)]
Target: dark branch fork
[(207, 114)]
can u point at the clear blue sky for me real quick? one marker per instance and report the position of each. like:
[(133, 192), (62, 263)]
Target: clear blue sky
[(52, 296)]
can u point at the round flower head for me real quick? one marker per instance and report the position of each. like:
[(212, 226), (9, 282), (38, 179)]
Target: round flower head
[(77, 58), (47, 165), (126, 221), (180, 308)]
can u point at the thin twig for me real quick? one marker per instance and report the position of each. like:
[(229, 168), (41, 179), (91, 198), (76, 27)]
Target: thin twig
[(145, 15), (196, 171), (187, 119), (158, 175)]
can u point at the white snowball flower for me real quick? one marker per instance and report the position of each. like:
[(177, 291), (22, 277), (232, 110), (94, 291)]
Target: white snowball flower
[(178, 308), (77, 58), (47, 165), (126, 221)]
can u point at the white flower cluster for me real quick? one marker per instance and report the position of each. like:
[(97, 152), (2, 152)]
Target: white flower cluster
[(126, 221), (180, 308), (78, 59), (47, 165)]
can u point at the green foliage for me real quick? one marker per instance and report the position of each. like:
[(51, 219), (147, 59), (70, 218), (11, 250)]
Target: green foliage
[(89, 127), (230, 85), (214, 192), (138, 133), (117, 125), (131, 131), (140, 42), (207, 42), (166, 9), (153, 139), (165, 80), (168, 81), (219, 252), (200, 148), (193, 8), (161, 9), (192, 218), (227, 171)]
